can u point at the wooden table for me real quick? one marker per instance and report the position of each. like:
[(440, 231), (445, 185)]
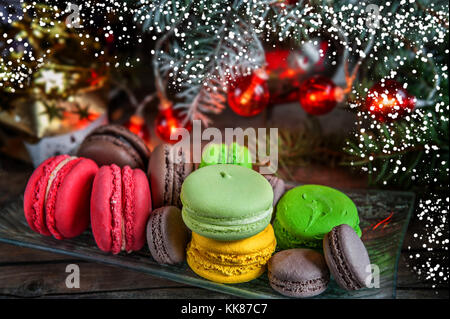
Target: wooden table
[(33, 273)]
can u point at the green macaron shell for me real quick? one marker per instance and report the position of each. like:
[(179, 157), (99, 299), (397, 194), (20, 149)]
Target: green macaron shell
[(233, 229), (226, 202), (239, 155), (236, 154), (306, 213), (214, 154), (286, 241)]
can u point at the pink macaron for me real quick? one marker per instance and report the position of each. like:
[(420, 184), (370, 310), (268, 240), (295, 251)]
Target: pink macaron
[(56, 199), (120, 207)]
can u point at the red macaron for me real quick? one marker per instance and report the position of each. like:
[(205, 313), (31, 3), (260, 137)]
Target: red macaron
[(56, 199), (120, 207)]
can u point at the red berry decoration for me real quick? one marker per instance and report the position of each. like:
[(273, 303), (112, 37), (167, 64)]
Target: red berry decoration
[(318, 95), (389, 101), (249, 95), (168, 121)]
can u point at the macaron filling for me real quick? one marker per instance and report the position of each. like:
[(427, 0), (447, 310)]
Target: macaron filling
[(307, 286), (157, 239), (55, 172), (175, 175), (341, 265), (54, 182), (38, 220), (116, 210), (238, 221), (220, 228), (122, 206), (128, 209), (169, 181), (180, 175)]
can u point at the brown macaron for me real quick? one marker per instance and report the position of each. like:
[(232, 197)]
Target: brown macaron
[(298, 272), (169, 165), (167, 235), (278, 187), (114, 144), (347, 258)]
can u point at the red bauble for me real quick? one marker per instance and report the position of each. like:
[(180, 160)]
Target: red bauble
[(249, 95), (288, 68), (168, 121), (389, 101), (318, 95), (285, 2), (137, 125)]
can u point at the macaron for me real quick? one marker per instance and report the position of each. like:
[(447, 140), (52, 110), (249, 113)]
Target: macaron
[(231, 261), (167, 235), (168, 167), (222, 154), (226, 202), (56, 198), (347, 258), (278, 187), (298, 273), (120, 207), (114, 144), (306, 213)]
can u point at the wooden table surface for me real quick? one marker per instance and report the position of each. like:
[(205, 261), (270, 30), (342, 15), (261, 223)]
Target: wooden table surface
[(27, 272)]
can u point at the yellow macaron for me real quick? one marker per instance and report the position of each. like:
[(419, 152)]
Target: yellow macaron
[(231, 261)]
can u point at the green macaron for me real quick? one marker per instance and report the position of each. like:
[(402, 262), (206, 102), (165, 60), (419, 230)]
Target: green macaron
[(306, 213), (222, 154), (226, 202)]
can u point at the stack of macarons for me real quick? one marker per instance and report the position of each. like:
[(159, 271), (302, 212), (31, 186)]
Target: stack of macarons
[(225, 219), (228, 208)]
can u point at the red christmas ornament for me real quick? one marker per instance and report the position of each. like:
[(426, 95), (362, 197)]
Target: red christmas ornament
[(136, 124), (389, 101), (249, 95), (285, 2), (289, 67), (168, 121), (318, 95)]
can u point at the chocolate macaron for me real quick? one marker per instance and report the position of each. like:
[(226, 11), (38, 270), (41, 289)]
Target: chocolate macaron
[(168, 167), (347, 257), (278, 187), (167, 235), (114, 144), (298, 272)]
